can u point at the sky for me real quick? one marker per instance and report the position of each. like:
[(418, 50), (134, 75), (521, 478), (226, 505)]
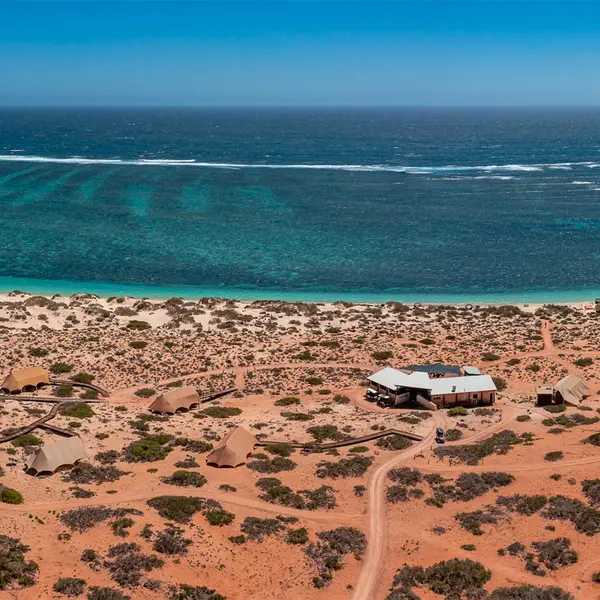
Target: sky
[(287, 53)]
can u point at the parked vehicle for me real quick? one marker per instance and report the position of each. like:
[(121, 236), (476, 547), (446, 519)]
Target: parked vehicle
[(440, 436), (371, 395), (383, 402)]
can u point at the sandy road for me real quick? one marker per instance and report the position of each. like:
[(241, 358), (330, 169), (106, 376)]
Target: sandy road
[(225, 498), (368, 580)]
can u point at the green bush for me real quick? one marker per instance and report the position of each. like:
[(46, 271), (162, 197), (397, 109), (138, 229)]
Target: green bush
[(69, 586), (185, 479), (10, 496), (584, 362), (490, 357), (523, 418), (458, 411), (15, 571), (38, 352), (27, 439), (500, 383), (554, 456), (283, 449), (192, 592), (287, 401), (219, 517), (382, 355), (274, 465), (138, 345), (136, 325), (178, 508), (105, 593), (60, 368), (145, 392), (145, 450), (355, 466), (64, 390), (314, 380), (77, 410), (297, 536), (221, 412), (394, 442), (83, 378)]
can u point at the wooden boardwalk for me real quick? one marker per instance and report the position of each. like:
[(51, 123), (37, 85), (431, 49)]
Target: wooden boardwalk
[(345, 442)]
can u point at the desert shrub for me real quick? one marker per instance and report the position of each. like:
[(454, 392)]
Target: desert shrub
[(185, 479), (193, 592), (15, 570), (359, 490), (108, 457), (451, 578), (136, 325), (393, 442), (568, 421), (86, 517), (591, 490), (500, 383), (27, 439), (297, 416), (593, 439), (82, 378), (273, 465), (472, 521), (221, 412), (145, 450), (406, 476), (60, 368), (78, 492), (283, 450), (297, 536), (530, 592), (355, 466), (121, 525), (145, 392), (274, 492), (180, 508), (126, 564), (219, 517), (324, 432), (287, 401), (382, 355), (341, 399), (138, 344), (522, 504), (85, 473), (64, 390), (105, 593), (198, 446), (523, 418), (69, 586), (256, 529), (584, 362), (314, 380), (555, 408), (453, 435), (401, 493), (490, 357), (170, 541), (10, 496), (359, 449), (585, 518), (471, 454), (554, 456), (555, 553), (38, 352), (458, 411)]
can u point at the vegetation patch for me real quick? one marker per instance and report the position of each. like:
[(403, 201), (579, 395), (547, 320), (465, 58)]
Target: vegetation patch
[(275, 492), (69, 586), (471, 454), (585, 518), (171, 541), (184, 478), (257, 529), (195, 592), (15, 570), (146, 450), (522, 503), (287, 401), (85, 473), (355, 466), (530, 592), (394, 442), (472, 521), (86, 517), (453, 579), (181, 508), (272, 465), (221, 412), (327, 553), (568, 421)]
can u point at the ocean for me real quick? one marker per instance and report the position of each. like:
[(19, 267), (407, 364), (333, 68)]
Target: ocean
[(440, 205)]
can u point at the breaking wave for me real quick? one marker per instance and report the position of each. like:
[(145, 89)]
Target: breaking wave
[(409, 170)]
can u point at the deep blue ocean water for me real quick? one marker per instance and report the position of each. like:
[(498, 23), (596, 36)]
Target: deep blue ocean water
[(302, 203)]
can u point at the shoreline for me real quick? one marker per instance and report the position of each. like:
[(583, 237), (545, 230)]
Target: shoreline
[(47, 287)]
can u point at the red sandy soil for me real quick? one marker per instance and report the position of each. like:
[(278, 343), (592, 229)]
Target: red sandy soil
[(269, 350)]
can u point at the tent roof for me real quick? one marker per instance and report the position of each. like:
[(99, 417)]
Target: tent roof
[(66, 451), (572, 388), (29, 376), (170, 401), (233, 449)]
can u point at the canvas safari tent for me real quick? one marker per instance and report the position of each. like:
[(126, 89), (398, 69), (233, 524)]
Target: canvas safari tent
[(170, 402), (233, 449), (25, 380), (48, 458), (571, 389)]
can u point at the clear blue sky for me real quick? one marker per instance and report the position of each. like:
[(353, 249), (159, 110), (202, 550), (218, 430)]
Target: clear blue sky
[(436, 52)]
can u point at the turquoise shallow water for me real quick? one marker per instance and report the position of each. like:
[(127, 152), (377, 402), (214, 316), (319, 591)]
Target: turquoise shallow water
[(437, 205)]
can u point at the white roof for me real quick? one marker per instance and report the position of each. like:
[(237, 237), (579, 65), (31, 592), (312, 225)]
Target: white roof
[(471, 370), (392, 378), (459, 385)]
